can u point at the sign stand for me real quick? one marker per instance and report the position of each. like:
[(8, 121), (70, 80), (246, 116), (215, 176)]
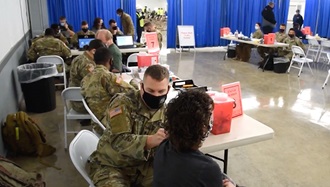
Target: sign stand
[(185, 37)]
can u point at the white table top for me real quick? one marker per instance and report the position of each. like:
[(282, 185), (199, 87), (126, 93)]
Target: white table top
[(76, 52), (244, 130), (275, 45)]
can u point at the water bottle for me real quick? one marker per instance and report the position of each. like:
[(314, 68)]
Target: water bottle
[(236, 34), (251, 35)]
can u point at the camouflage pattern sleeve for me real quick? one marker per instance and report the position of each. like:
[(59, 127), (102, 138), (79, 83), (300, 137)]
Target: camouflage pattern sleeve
[(32, 54), (86, 68), (63, 39), (66, 52), (114, 84), (258, 34), (74, 40), (119, 133)]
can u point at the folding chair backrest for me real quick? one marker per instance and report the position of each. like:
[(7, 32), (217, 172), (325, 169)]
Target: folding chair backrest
[(325, 44), (328, 55), (81, 147), (132, 59), (298, 51), (51, 58), (71, 94), (94, 118), (313, 42)]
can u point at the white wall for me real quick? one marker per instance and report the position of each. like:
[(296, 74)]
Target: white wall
[(152, 4), (14, 22), (294, 5)]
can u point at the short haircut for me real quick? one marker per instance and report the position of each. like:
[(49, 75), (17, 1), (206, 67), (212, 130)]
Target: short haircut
[(49, 32), (112, 21), (283, 24), (258, 23), (54, 26), (187, 117), (84, 23), (95, 44), (106, 32), (102, 56), (297, 10), (62, 18), (147, 24), (157, 72), (119, 10), (292, 29), (271, 3)]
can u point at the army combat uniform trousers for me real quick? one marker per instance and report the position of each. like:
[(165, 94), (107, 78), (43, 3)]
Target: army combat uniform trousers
[(107, 176)]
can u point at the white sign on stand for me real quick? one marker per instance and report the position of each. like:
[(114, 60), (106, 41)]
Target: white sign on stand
[(186, 36)]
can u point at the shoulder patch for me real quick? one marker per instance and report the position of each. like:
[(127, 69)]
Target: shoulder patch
[(115, 112), (118, 79)]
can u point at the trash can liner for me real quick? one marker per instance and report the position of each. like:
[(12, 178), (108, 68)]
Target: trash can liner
[(29, 73)]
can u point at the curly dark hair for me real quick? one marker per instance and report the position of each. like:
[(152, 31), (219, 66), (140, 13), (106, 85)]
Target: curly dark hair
[(187, 117)]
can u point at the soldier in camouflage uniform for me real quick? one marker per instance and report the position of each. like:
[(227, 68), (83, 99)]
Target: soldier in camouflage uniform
[(291, 40), (243, 50), (126, 22), (150, 27), (280, 37), (48, 45), (124, 155), (99, 86), (84, 32), (80, 67)]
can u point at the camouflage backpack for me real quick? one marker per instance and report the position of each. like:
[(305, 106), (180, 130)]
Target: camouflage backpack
[(23, 136), (12, 175)]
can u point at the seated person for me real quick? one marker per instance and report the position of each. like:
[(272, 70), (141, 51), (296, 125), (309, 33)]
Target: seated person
[(178, 162), (298, 32), (150, 27), (84, 32), (98, 24), (124, 154), (48, 45), (114, 29), (99, 86), (106, 37), (280, 37), (243, 51), (66, 28), (80, 67), (291, 40), (58, 34)]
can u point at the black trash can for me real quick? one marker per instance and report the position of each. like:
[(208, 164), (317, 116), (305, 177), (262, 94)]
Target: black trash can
[(38, 86)]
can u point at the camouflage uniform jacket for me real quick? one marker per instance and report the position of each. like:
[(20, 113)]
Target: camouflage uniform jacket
[(130, 122), (280, 37), (48, 46), (258, 34), (74, 39), (127, 23), (287, 52), (99, 86), (80, 67), (59, 36)]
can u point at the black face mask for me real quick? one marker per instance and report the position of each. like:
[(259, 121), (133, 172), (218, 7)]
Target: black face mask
[(281, 30), (153, 102), (84, 29), (291, 35)]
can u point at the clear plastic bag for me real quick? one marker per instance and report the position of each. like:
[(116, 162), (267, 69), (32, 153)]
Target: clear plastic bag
[(29, 73)]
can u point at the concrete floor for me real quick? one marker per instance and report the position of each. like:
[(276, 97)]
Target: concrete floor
[(296, 108)]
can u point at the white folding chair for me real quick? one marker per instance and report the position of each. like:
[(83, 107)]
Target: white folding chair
[(299, 57), (326, 80), (132, 59), (58, 61), (81, 147), (324, 50), (313, 48), (71, 94), (94, 118)]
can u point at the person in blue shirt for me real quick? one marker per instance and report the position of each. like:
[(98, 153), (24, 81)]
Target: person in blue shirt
[(297, 18)]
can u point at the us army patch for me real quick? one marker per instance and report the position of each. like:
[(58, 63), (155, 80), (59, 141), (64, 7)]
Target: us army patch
[(115, 112)]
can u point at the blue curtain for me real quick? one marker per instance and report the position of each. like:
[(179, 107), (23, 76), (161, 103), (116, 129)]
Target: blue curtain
[(317, 17), (106, 9), (173, 20), (311, 14), (55, 10)]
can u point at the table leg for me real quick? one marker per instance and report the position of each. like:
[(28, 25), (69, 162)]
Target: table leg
[(263, 68), (224, 160)]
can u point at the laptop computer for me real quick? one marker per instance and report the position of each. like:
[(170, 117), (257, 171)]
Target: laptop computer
[(86, 36), (125, 42), (83, 42)]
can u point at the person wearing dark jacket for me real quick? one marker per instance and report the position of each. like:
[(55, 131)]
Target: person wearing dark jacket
[(268, 18), (298, 32), (297, 18)]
